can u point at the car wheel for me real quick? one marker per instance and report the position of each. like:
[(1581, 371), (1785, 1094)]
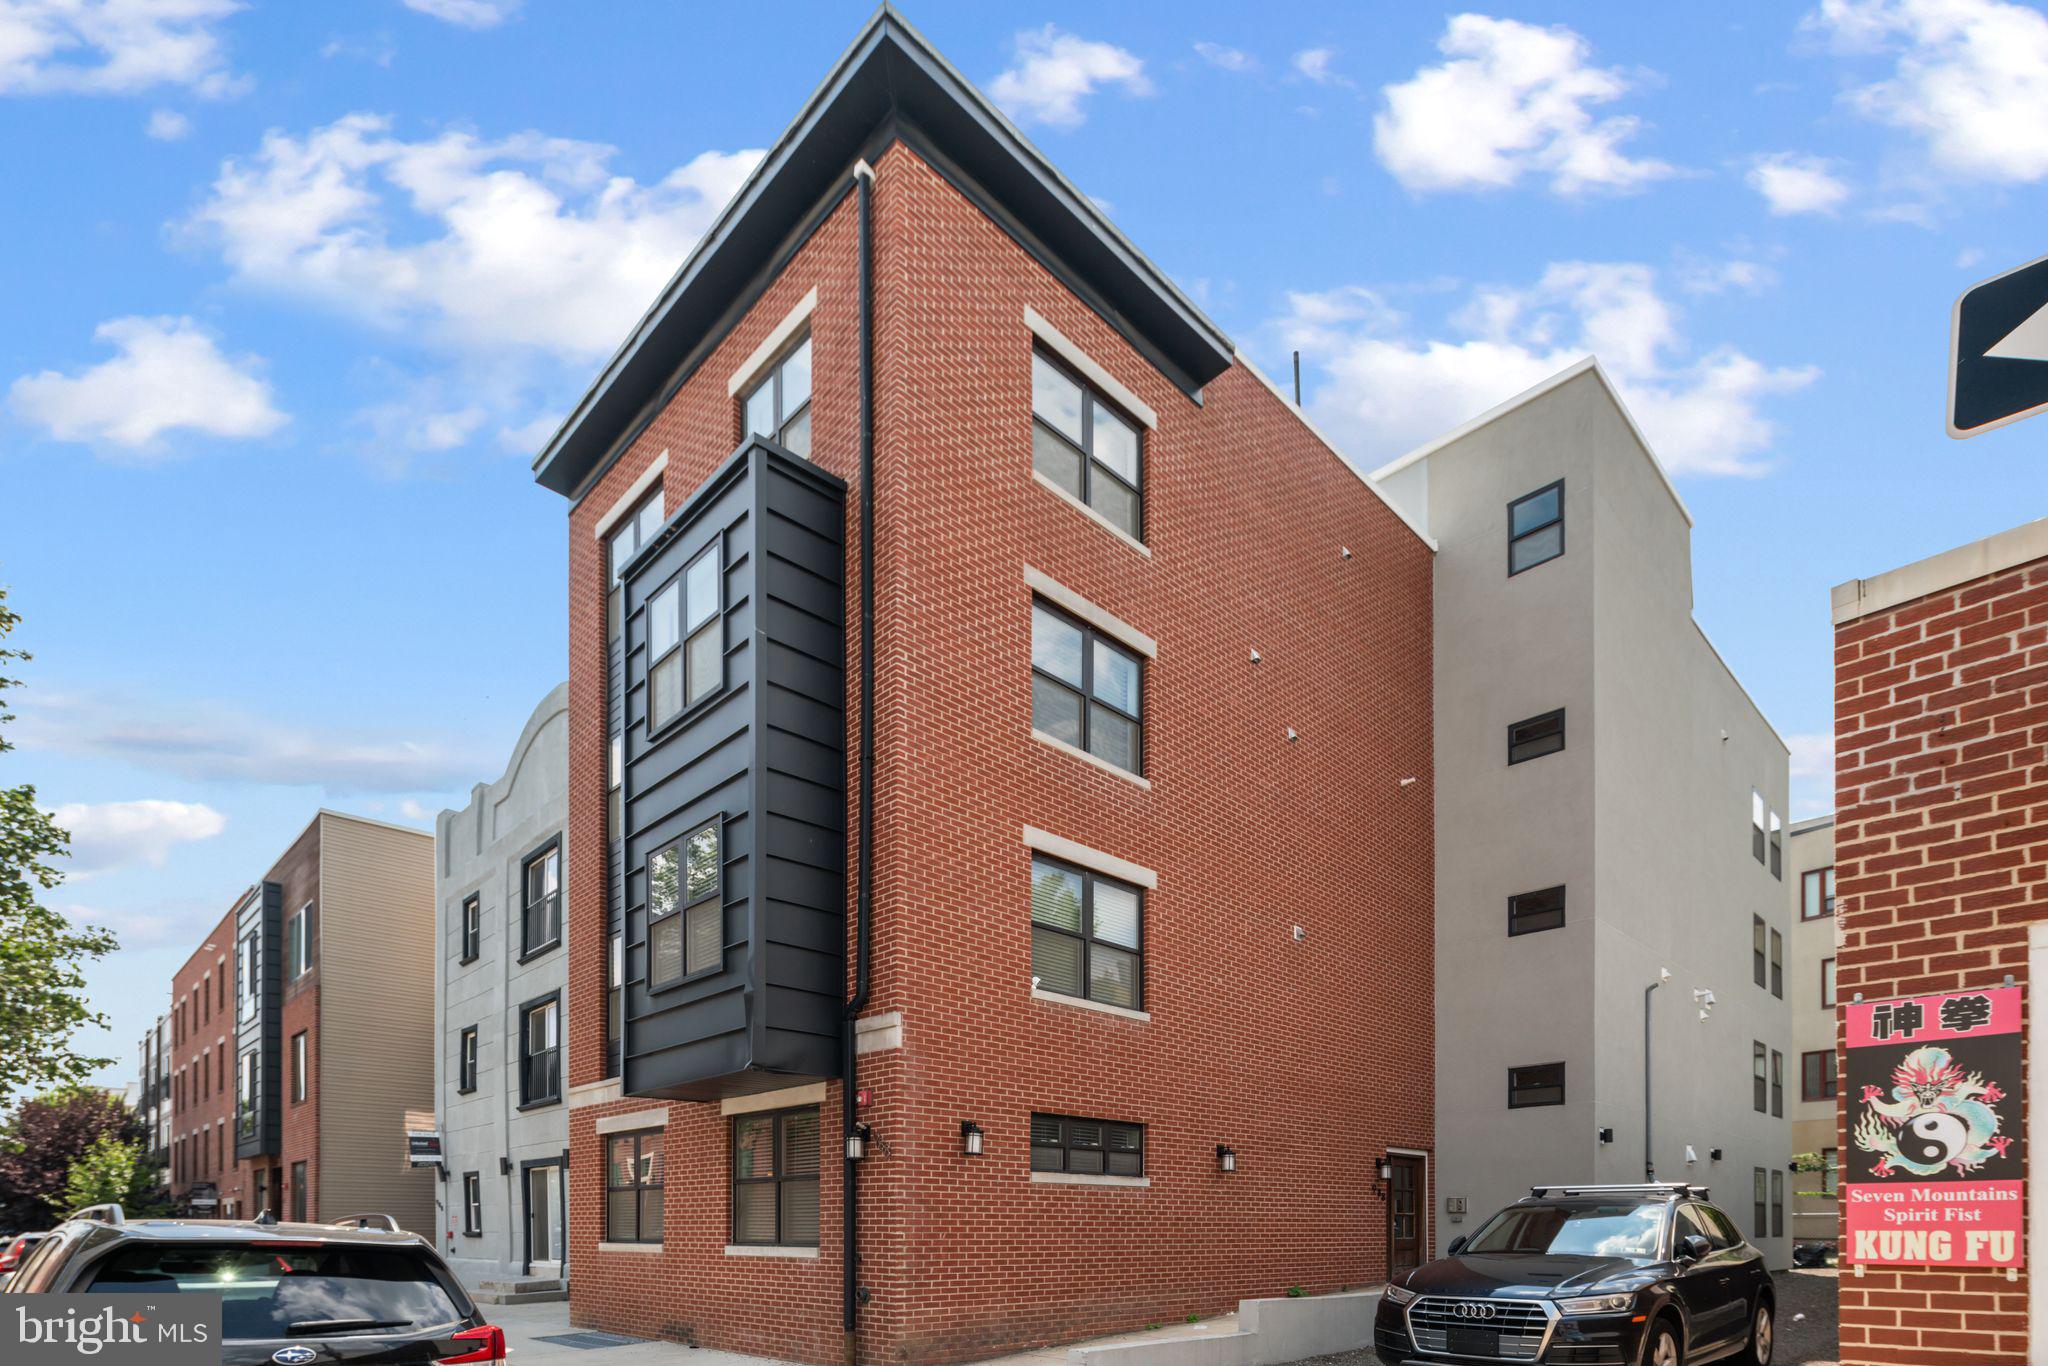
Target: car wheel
[(1664, 1349), (1762, 1336)]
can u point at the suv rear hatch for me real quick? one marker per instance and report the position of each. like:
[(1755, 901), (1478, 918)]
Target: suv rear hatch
[(343, 1301)]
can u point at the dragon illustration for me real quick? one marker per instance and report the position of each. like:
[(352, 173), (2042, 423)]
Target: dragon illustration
[(1938, 1117)]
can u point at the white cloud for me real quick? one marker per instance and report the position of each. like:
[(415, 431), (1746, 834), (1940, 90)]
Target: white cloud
[(1055, 71), (1970, 79), (167, 125), (212, 742), (1813, 772), (168, 377), (530, 244), (1386, 389), (1226, 58), (1968, 257), (1792, 183), (174, 922), (1314, 64), (477, 14), (110, 835), (1513, 100), (1700, 275), (114, 47)]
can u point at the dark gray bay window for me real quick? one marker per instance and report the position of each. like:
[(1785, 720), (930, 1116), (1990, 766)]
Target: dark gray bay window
[(685, 641), (685, 910)]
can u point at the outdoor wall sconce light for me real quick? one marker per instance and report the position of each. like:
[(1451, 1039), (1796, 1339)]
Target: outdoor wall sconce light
[(970, 1138), (1607, 1135), (1226, 1158), (504, 1166), (857, 1142), (1386, 1170), (1713, 1154)]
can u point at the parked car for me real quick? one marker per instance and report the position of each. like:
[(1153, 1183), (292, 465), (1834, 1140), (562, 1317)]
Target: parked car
[(1641, 1275), (357, 1290), (1813, 1254), (13, 1250)]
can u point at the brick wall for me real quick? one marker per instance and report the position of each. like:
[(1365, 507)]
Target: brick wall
[(1309, 1057), (1941, 713), (205, 1040)]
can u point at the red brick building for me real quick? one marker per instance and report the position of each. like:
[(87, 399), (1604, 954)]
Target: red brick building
[(1151, 871), (303, 1038), (202, 1074), (1941, 866)]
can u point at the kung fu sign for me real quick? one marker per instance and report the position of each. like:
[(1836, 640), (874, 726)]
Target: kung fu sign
[(1936, 1164)]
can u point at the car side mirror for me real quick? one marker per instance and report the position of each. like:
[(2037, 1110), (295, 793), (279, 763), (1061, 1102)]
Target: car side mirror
[(1693, 1248), (1457, 1246)]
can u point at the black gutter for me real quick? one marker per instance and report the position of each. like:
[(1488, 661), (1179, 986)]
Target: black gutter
[(1649, 1161), (864, 884)]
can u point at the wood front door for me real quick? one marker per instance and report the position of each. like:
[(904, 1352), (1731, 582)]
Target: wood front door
[(1405, 1195)]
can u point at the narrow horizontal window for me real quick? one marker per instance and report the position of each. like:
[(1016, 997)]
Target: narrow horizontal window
[(1533, 911), (1536, 737), (1536, 528), (1087, 1147), (1534, 1086)]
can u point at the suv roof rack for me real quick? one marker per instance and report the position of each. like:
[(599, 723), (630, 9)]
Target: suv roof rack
[(383, 1221), (1679, 1188), (109, 1213)]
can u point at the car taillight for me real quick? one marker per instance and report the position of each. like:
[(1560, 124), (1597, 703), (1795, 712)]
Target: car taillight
[(11, 1256), (490, 1345)]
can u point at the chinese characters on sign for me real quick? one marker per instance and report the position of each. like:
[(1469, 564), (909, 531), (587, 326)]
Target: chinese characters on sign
[(1936, 1165)]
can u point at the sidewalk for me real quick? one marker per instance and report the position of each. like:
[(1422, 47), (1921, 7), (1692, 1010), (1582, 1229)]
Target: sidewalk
[(526, 1324), (1170, 1332)]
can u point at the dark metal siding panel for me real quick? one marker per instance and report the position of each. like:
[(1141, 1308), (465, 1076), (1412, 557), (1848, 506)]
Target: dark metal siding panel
[(765, 756), (264, 915)]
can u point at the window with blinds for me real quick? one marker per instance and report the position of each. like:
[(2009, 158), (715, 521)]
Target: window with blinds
[(1087, 1147), (632, 1195), (775, 1178), (685, 909), (1086, 935)]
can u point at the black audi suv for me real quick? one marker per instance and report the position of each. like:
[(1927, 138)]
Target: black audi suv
[(1649, 1275)]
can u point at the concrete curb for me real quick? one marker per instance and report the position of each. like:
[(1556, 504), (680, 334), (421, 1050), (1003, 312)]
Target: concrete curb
[(1270, 1332)]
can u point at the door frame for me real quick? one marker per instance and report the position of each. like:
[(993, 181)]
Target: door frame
[(561, 1212), (1424, 1209)]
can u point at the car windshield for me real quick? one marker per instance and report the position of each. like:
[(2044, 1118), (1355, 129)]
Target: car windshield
[(289, 1292), (1618, 1230)]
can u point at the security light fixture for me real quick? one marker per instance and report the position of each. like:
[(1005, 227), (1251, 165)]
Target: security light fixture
[(1713, 1154), (857, 1142), (1606, 1135), (1226, 1158), (1386, 1170), (504, 1166), (970, 1138)]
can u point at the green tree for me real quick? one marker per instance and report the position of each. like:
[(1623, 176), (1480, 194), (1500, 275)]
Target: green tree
[(110, 1171), (41, 1140), (42, 955)]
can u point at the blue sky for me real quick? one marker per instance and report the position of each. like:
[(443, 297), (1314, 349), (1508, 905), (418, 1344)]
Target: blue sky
[(293, 291)]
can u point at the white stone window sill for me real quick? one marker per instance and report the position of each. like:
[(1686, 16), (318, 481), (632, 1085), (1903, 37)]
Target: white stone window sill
[(807, 1254), (1082, 1003), (1087, 1179), (653, 1249), (1105, 765), (1092, 515)]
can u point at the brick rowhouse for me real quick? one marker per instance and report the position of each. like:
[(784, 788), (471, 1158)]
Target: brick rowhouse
[(1941, 865), (203, 1074), (1284, 808)]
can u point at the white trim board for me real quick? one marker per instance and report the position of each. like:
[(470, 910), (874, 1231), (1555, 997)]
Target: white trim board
[(772, 343), (1056, 342), (1074, 852), (631, 496)]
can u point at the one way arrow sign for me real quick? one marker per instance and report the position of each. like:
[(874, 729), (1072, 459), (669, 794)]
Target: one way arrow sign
[(1998, 351)]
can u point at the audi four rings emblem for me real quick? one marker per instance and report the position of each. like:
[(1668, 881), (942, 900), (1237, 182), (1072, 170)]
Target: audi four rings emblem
[(1471, 1309)]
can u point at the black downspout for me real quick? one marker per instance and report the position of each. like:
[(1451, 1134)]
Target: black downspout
[(864, 877), (1649, 1162)]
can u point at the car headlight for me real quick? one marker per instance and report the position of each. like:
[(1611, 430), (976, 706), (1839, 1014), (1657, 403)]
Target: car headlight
[(1598, 1304), (1397, 1294)]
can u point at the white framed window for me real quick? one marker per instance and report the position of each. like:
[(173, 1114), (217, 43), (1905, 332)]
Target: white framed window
[(297, 953), (685, 640), (472, 1203)]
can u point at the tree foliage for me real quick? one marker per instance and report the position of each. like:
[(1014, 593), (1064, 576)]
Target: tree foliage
[(42, 1140), (111, 1170), (42, 955)]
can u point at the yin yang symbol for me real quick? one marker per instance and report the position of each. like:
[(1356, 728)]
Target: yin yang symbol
[(1934, 1139)]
